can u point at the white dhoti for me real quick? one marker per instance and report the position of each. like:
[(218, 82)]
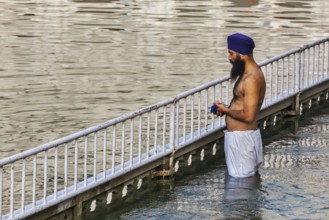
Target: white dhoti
[(243, 152)]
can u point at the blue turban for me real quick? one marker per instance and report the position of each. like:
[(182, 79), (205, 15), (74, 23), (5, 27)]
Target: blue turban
[(240, 43)]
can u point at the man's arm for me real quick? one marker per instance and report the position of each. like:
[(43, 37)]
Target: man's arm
[(250, 103)]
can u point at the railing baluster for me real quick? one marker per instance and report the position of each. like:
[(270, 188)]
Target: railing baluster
[(227, 92), (177, 123), (23, 185), (313, 61), (295, 71), (140, 139), (113, 148), (192, 116), (75, 165), (282, 73), (199, 113), (271, 85), (131, 141), (318, 72), (184, 120), (56, 172), (156, 131), (221, 100), (206, 109), (11, 190), (276, 80), (104, 152), (34, 181), (327, 72), (1, 179), (288, 78), (123, 146), (213, 100), (308, 66), (95, 156), (65, 168), (172, 126), (302, 71), (85, 162), (45, 177), (164, 129), (323, 60), (148, 135)]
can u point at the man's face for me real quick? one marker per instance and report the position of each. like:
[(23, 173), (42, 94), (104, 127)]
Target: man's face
[(238, 64)]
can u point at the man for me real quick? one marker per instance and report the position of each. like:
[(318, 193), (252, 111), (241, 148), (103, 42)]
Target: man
[(243, 143)]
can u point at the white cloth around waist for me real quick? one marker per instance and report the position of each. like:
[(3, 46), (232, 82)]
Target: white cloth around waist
[(243, 152)]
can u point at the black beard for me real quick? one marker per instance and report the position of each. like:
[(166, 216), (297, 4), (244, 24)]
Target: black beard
[(238, 67)]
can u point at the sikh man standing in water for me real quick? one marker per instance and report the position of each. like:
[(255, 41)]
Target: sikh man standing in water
[(242, 142)]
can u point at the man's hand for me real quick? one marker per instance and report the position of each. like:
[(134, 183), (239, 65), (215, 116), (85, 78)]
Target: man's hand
[(221, 110)]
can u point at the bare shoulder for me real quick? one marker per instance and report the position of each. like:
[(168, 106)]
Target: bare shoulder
[(255, 77)]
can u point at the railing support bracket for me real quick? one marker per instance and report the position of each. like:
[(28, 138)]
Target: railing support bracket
[(295, 111), (167, 168)]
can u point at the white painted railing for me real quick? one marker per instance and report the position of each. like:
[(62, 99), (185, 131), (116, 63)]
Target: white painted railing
[(51, 173)]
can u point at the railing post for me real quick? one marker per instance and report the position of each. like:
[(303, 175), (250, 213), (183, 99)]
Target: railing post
[(167, 167), (295, 101)]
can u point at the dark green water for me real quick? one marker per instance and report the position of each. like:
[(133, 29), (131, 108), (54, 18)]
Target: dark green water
[(293, 183)]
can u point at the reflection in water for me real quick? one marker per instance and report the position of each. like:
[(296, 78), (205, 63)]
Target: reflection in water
[(242, 197), (244, 3)]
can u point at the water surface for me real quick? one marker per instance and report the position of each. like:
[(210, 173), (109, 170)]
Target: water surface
[(67, 65)]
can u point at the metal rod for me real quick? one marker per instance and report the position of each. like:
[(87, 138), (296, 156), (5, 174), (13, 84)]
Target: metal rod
[(45, 176), (172, 126), (1, 178), (104, 152), (23, 186), (282, 73), (34, 181), (65, 169), (164, 129), (199, 113), (318, 74), (140, 139), (75, 165), (276, 80), (192, 116), (184, 120), (177, 123), (123, 146), (206, 108), (95, 156), (131, 141), (113, 148), (313, 63), (148, 135), (156, 130), (85, 162), (327, 72), (308, 66), (55, 172), (213, 100), (12, 190)]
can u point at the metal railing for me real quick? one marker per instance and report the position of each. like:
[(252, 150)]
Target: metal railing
[(39, 178)]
